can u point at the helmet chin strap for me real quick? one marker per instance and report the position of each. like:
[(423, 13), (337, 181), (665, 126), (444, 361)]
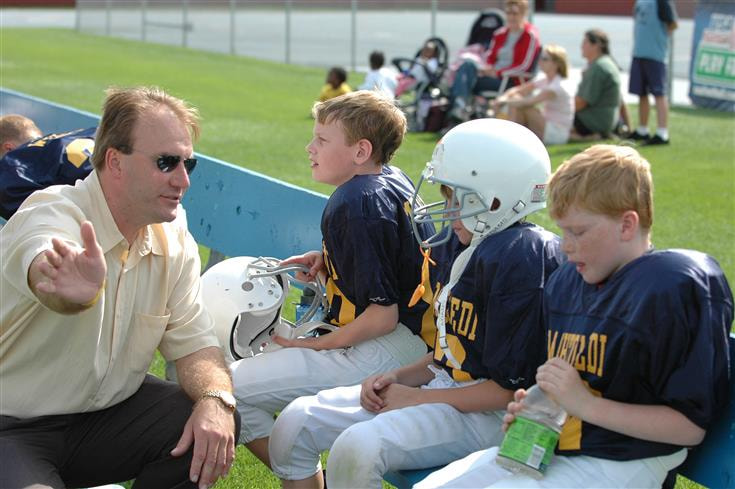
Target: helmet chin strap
[(460, 263)]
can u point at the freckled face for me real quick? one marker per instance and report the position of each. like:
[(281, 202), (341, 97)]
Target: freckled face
[(592, 242)]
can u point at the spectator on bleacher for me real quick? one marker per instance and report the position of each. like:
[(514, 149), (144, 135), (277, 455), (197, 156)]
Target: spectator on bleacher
[(16, 130), (597, 102), (512, 51), (336, 84), (553, 122), (379, 77), (96, 278)]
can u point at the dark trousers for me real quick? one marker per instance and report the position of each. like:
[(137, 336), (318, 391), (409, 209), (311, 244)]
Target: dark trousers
[(131, 440)]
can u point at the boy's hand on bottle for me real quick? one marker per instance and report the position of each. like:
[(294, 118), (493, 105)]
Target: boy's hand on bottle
[(562, 382), (514, 407)]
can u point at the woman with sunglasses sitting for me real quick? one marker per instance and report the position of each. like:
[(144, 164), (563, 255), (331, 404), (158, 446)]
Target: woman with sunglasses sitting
[(544, 105)]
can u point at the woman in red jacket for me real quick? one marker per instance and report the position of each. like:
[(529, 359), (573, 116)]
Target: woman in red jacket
[(513, 50)]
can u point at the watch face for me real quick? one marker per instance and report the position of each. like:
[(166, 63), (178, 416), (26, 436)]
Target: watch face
[(228, 399)]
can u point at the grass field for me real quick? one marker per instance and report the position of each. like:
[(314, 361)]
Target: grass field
[(256, 114)]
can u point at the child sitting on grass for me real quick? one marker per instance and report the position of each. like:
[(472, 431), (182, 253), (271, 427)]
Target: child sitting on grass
[(336, 84)]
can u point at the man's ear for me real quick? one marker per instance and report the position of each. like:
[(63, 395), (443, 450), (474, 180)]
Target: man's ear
[(112, 162), (629, 225), (363, 151)]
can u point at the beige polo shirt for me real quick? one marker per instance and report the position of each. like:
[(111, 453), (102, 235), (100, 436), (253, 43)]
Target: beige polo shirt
[(54, 364)]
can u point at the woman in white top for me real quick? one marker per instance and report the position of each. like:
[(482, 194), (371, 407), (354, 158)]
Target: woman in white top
[(544, 105)]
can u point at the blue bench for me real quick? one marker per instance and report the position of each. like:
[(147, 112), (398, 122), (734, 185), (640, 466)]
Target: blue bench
[(711, 464)]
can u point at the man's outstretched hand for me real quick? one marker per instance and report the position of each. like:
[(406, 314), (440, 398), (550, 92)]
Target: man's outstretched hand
[(69, 273)]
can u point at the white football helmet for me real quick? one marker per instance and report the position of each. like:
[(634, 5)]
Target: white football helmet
[(245, 295), (481, 161)]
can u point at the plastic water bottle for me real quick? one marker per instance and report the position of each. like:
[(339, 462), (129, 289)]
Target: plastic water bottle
[(529, 444)]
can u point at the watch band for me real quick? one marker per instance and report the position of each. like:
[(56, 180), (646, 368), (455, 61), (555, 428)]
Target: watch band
[(225, 398)]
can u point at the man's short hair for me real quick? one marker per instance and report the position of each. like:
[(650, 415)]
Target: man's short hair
[(366, 115), (121, 111), (18, 129), (604, 179)]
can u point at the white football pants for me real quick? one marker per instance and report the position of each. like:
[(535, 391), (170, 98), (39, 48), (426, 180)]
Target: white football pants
[(266, 383), (364, 445), (479, 470)]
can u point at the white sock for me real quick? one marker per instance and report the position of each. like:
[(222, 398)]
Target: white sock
[(642, 130), (663, 133)]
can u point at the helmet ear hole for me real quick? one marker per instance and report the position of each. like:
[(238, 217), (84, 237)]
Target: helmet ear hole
[(495, 205)]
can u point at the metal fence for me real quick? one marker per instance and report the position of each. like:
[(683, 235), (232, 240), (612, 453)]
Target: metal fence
[(305, 32), (341, 32)]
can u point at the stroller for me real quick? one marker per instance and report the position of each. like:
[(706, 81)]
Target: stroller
[(427, 105), (425, 97), (485, 26)]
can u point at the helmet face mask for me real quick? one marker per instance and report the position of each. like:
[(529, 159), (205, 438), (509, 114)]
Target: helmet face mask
[(496, 171), (245, 297)]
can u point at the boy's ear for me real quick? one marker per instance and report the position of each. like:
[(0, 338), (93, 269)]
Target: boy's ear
[(363, 151), (629, 225)]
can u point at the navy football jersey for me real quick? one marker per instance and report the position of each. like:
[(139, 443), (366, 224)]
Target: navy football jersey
[(493, 316), (55, 159), (654, 333), (370, 251)]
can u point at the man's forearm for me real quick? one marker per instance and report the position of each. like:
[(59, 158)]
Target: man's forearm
[(202, 371)]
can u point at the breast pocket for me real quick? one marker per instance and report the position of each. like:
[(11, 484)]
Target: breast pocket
[(145, 336)]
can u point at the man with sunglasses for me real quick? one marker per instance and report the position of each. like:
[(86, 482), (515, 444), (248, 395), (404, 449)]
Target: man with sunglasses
[(94, 278)]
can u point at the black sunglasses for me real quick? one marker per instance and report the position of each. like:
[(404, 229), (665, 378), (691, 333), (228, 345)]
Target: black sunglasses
[(168, 163)]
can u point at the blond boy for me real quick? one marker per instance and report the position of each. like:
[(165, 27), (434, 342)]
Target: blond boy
[(369, 260)]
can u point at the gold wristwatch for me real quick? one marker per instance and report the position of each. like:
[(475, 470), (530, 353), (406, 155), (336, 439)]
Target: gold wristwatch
[(224, 397)]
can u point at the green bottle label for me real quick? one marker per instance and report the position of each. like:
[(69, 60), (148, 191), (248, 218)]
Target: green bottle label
[(529, 443)]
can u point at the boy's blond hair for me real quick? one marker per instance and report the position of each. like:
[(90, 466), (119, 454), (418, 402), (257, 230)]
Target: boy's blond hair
[(604, 179), (365, 115), (18, 129)]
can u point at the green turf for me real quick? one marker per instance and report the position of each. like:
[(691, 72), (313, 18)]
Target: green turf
[(256, 114)]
